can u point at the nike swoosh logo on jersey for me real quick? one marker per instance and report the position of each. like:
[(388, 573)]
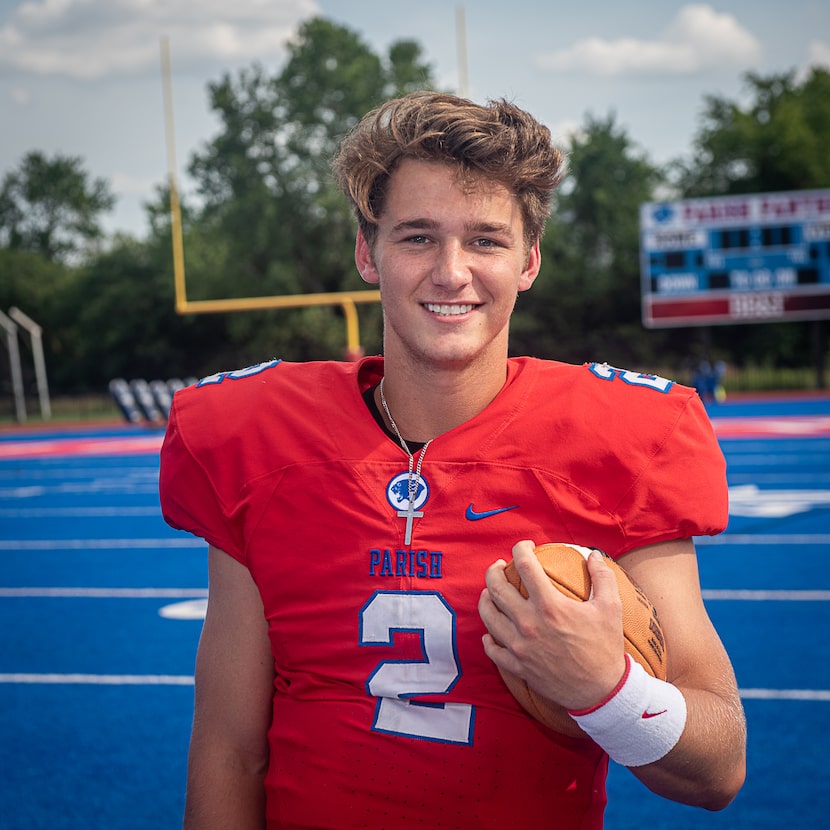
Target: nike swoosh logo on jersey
[(646, 715), (475, 516)]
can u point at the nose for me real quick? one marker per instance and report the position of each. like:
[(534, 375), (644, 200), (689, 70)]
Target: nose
[(452, 270)]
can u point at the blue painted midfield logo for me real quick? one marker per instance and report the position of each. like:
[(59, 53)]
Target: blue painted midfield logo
[(475, 516)]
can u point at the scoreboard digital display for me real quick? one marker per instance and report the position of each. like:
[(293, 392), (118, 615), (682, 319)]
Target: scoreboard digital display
[(763, 257)]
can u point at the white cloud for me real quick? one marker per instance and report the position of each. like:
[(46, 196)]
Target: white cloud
[(97, 38), (818, 54), (564, 130), (698, 39)]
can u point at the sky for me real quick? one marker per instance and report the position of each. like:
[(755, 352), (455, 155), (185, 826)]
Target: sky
[(83, 78)]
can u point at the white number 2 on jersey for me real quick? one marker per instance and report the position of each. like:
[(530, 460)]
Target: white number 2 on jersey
[(393, 682)]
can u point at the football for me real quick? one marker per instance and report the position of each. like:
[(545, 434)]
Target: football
[(567, 569)]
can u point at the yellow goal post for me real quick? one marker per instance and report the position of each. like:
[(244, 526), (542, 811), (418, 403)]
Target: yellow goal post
[(347, 300)]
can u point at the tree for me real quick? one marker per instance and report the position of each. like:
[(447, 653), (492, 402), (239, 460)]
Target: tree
[(270, 209), (116, 318), (32, 284), (586, 303), (775, 142), (29, 281), (52, 207)]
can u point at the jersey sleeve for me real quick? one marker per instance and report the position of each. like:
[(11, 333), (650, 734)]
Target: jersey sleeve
[(682, 491), (189, 499)]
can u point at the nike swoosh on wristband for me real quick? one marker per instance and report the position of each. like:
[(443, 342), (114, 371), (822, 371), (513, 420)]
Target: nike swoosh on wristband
[(646, 715), (475, 516)]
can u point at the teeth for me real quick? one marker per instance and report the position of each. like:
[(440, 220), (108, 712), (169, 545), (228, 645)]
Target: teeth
[(449, 310)]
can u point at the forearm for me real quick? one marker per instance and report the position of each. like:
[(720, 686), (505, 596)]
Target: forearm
[(229, 748), (708, 765), (224, 792)]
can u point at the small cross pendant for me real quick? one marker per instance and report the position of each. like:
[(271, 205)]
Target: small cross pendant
[(409, 514)]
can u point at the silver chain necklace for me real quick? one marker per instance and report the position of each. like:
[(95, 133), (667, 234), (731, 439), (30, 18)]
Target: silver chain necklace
[(414, 472)]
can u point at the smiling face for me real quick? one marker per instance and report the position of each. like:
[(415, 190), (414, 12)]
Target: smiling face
[(450, 259)]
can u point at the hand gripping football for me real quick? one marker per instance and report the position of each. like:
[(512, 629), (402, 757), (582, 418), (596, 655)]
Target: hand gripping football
[(567, 569)]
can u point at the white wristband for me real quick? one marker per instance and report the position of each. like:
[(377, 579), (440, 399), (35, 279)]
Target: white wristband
[(640, 721)]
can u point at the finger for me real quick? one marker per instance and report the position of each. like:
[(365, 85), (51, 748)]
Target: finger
[(487, 609), (524, 557), (603, 582), (500, 655), (495, 572), (492, 647), (533, 576), (502, 593), (499, 627), (498, 601), (524, 548)]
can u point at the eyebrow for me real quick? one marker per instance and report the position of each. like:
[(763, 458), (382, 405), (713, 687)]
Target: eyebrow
[(431, 224)]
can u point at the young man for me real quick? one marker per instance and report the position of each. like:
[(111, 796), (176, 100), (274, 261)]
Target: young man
[(359, 516)]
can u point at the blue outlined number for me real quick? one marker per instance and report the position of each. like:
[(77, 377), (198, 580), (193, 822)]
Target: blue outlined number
[(238, 374), (395, 682), (606, 372)]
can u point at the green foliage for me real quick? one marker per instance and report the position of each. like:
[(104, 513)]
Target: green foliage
[(585, 304), (29, 281), (50, 206), (117, 319), (406, 72), (33, 284), (776, 142)]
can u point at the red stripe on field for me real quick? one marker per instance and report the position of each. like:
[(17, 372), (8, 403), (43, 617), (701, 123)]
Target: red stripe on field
[(126, 445), (793, 426)]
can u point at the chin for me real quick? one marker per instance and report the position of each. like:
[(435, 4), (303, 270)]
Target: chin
[(451, 358)]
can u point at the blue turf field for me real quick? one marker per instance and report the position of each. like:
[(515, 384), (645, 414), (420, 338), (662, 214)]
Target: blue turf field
[(100, 602)]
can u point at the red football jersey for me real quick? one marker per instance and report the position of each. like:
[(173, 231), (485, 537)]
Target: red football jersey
[(387, 712)]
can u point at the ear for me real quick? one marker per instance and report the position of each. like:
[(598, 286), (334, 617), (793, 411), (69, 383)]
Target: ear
[(531, 271), (364, 260)]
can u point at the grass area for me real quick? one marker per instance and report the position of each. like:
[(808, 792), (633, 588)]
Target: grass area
[(759, 379), (75, 409), (764, 379)]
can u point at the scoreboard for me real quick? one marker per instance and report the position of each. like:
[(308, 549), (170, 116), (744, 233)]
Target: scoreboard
[(763, 257)]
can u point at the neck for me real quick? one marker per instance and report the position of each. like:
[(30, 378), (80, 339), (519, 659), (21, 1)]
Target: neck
[(427, 404), (390, 426)]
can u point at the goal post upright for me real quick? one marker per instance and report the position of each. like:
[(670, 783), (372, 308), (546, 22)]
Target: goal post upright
[(346, 300), (35, 333), (10, 328)]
